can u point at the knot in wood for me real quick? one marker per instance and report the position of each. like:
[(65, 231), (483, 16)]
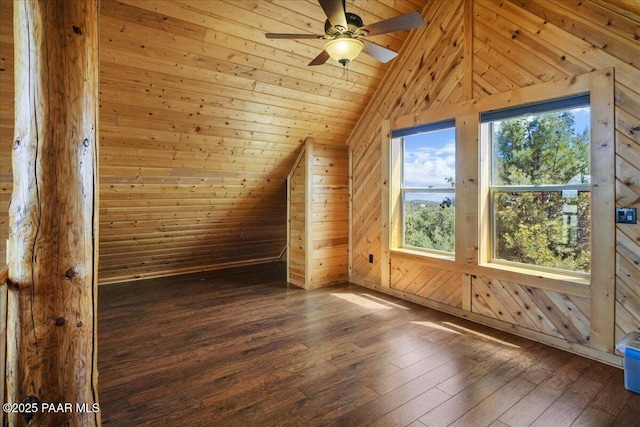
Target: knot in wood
[(30, 403), (16, 144), (60, 321), (70, 274), (85, 142), (13, 285), (77, 29)]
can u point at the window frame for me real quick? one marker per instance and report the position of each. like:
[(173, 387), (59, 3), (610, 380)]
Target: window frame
[(472, 217), (558, 104), (398, 144)]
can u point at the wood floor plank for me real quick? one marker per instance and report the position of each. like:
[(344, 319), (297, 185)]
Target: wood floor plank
[(630, 414), (325, 407), (611, 398), (416, 355), (241, 347), (569, 406), (592, 417), (466, 377), (495, 405), (528, 409), (384, 385), (412, 410), (473, 395), (382, 405)]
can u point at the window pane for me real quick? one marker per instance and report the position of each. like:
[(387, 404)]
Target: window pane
[(429, 220), (429, 159), (549, 229), (542, 149)]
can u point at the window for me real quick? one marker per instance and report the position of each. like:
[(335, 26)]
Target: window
[(534, 193), (427, 186), (539, 184)]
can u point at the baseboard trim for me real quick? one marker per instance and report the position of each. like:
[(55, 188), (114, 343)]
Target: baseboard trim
[(187, 270)]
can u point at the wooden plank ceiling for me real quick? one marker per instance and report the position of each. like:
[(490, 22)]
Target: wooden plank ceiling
[(201, 119)]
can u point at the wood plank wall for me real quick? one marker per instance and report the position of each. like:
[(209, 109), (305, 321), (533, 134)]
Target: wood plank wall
[(318, 211), (297, 202), (330, 215), (486, 47), (185, 183)]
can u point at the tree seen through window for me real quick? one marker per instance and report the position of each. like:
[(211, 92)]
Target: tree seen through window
[(428, 189), (540, 185)]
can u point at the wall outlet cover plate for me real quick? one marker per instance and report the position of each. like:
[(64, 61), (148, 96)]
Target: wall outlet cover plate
[(626, 216)]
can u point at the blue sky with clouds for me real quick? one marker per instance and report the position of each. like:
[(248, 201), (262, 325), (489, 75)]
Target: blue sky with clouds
[(430, 157)]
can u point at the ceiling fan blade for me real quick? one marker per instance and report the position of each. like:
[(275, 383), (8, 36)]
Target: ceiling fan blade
[(292, 36), (399, 23), (380, 53), (334, 9), (320, 59)]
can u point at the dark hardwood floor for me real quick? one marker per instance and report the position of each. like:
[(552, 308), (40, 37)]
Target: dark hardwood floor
[(240, 347)]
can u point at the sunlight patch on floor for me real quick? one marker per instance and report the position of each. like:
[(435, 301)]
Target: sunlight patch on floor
[(393, 304), (438, 327), (479, 334), (362, 302)]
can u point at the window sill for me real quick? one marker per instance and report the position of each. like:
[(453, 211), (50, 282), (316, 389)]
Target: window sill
[(540, 274), (425, 254)]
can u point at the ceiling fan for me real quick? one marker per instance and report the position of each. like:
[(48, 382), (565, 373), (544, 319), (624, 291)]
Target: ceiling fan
[(345, 33)]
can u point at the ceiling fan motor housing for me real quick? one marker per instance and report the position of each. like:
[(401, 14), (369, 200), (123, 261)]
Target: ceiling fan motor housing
[(354, 22)]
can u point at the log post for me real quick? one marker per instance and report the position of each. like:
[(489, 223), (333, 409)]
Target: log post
[(53, 215)]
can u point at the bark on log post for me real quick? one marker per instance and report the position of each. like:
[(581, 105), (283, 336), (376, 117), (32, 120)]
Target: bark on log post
[(53, 213)]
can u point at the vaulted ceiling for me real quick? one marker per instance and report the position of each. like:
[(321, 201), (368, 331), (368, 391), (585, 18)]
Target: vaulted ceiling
[(205, 67), (201, 118)]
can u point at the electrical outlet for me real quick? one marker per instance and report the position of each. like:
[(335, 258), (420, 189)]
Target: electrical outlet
[(370, 258), (626, 216)]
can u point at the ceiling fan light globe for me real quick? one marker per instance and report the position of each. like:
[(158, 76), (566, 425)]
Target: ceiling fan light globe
[(344, 50)]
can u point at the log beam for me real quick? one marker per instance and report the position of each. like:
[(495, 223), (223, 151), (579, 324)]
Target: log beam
[(53, 214)]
